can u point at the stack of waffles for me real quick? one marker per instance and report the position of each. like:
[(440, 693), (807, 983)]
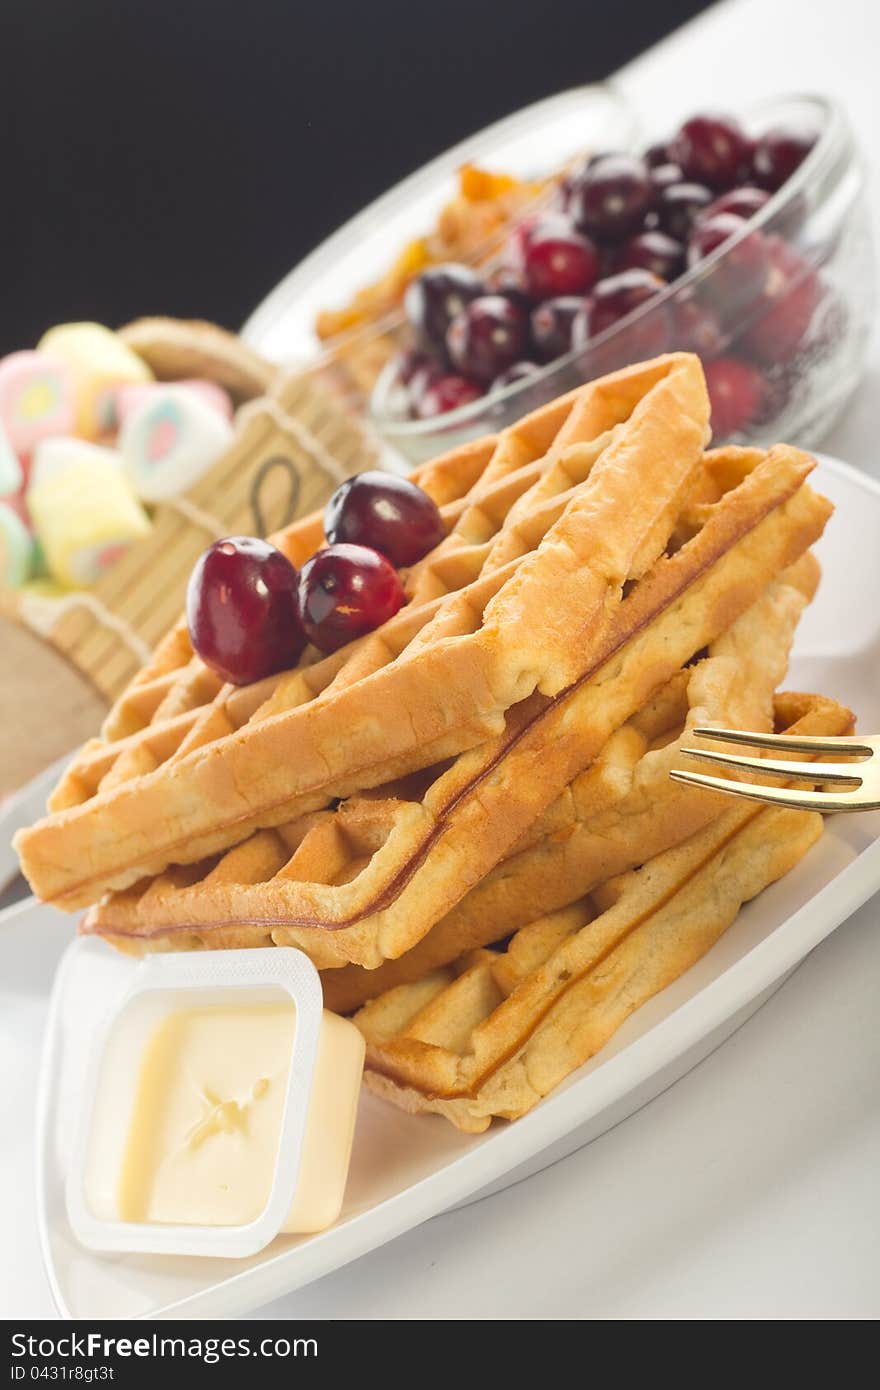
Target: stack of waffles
[(465, 818)]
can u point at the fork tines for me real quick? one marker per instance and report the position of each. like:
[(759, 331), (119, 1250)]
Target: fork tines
[(847, 786)]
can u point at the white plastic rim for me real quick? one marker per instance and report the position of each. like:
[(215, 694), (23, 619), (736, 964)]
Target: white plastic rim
[(188, 974)]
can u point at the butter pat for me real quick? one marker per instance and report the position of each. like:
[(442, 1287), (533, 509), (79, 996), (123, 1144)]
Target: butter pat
[(203, 1141), (217, 1109)]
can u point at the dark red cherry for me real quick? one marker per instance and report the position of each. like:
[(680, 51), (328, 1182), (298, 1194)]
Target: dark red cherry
[(520, 371), (657, 154), (654, 251), (510, 283), (424, 372), (422, 378), (778, 153), (611, 197), (792, 295), (387, 513), (443, 393), (551, 326), (614, 299), (241, 609), (487, 337), (345, 591), (408, 362), (739, 277), (697, 328), (742, 202), (561, 193), (745, 169), (573, 174), (516, 245), (559, 260), (711, 149), (664, 176), (712, 232), (678, 207), (435, 297), (736, 393)]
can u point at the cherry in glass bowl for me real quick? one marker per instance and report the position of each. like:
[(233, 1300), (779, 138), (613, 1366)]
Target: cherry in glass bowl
[(801, 322)]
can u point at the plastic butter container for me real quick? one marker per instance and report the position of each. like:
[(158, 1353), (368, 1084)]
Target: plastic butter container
[(221, 1100)]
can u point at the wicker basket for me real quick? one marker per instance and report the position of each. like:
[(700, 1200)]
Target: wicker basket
[(292, 446)]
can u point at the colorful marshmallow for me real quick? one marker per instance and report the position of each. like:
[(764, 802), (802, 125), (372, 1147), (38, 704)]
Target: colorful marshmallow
[(11, 475), (42, 588), (84, 513), (130, 398), (55, 456), (39, 568), (69, 508), (36, 398), (17, 503), (99, 362), (16, 549), (170, 441)]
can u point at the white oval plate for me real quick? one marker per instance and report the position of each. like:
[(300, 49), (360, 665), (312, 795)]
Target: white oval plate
[(405, 1169)]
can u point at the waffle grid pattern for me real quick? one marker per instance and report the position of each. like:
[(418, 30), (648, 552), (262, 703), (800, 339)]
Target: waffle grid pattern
[(621, 810), (494, 1032), (493, 516), (557, 481), (350, 868)]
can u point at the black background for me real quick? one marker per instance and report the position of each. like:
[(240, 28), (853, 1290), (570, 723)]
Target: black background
[(163, 157)]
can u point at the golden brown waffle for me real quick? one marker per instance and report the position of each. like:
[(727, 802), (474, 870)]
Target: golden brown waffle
[(367, 882), (530, 586), (623, 809), (495, 1033)]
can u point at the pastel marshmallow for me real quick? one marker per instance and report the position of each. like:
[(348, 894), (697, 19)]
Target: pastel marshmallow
[(36, 398), (99, 362), (55, 456), (39, 568), (130, 398), (85, 517), (11, 473), (17, 503), (16, 549), (170, 441)]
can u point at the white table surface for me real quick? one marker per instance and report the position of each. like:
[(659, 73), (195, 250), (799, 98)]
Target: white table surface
[(748, 1190)]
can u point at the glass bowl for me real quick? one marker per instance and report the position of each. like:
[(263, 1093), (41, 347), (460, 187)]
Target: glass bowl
[(536, 142), (796, 356)]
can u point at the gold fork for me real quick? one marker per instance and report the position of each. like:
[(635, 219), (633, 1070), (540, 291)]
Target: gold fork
[(854, 786)]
